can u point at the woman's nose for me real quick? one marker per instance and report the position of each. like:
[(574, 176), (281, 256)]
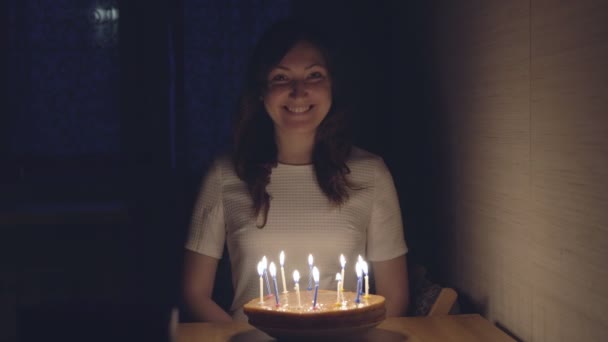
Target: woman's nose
[(298, 89)]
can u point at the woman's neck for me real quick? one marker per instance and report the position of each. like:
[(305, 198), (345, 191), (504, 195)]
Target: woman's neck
[(295, 149)]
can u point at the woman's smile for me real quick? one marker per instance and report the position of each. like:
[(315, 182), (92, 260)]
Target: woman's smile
[(298, 109)]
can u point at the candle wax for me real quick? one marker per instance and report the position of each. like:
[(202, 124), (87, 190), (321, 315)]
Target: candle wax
[(276, 290), (358, 299), (298, 294), (261, 290), (314, 302), (283, 276)]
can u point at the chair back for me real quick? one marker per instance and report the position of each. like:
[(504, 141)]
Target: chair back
[(429, 298)]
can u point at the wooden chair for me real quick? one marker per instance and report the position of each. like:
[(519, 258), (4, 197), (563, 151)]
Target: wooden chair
[(444, 302), (428, 298)]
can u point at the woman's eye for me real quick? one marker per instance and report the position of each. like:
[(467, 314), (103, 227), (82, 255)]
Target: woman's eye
[(315, 74), (278, 78)]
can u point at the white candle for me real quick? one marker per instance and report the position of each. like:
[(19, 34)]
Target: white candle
[(282, 261), (261, 273), (296, 279), (364, 269), (360, 261), (342, 263), (339, 280), (310, 260)]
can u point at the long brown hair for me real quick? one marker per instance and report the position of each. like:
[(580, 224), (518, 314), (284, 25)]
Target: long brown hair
[(255, 147)]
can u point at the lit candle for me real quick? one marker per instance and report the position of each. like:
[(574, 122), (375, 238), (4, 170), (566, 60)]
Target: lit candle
[(309, 272), (282, 261), (339, 280), (359, 271), (364, 269), (261, 272), (296, 279), (360, 261), (315, 275), (342, 263), (265, 265), (273, 274)]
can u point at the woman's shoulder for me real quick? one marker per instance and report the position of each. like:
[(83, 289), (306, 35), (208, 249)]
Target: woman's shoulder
[(360, 156), (223, 160), (367, 168), (222, 165), (364, 166)]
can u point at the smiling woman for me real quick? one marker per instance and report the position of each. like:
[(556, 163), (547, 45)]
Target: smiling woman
[(292, 113), (294, 182)]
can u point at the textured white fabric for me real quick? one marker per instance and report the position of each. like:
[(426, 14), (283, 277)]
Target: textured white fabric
[(301, 221)]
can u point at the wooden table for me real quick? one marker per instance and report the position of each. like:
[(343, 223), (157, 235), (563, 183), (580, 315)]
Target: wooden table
[(412, 329)]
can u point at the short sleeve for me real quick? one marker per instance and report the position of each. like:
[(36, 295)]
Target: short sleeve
[(207, 231), (385, 239)]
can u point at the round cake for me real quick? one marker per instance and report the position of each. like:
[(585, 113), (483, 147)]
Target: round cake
[(329, 317)]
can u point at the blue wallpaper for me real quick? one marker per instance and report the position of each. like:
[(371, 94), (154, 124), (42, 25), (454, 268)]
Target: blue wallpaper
[(64, 72)]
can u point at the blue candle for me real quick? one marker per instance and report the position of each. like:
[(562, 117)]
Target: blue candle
[(359, 273), (315, 274), (273, 273), (364, 268), (265, 265), (309, 272)]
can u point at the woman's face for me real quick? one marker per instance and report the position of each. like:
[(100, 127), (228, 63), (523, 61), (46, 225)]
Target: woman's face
[(299, 90)]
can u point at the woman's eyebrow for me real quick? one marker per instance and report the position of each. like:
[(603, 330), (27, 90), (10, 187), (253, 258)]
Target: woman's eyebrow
[(306, 68), (314, 65)]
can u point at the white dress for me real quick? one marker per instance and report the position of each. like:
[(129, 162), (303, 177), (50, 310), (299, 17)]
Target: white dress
[(301, 221)]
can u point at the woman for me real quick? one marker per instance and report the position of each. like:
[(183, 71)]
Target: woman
[(294, 184)]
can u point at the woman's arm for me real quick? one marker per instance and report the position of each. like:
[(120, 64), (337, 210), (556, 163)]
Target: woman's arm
[(199, 276), (392, 283)]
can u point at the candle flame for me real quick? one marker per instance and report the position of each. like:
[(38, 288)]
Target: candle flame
[(310, 259), (342, 260), (260, 268), (338, 277), (364, 267), (360, 259), (264, 262), (273, 269), (315, 274), (358, 269), (282, 258), (296, 276)]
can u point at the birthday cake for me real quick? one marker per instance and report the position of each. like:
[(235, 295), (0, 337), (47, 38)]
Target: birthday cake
[(331, 316)]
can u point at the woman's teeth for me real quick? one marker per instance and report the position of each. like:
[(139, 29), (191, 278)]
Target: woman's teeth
[(301, 109)]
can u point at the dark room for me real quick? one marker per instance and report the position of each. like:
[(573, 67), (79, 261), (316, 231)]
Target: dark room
[(252, 170)]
